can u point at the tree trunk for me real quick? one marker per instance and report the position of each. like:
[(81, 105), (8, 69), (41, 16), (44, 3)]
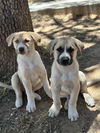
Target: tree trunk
[(14, 16)]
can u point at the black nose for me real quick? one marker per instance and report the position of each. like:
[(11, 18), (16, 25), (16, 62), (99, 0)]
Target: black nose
[(65, 61), (21, 49)]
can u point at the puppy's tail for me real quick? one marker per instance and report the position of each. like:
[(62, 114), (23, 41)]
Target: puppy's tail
[(4, 85), (92, 82)]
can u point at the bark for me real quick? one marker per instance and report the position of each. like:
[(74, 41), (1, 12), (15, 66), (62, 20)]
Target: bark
[(14, 16)]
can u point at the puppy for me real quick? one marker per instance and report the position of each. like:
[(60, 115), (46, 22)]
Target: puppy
[(31, 74), (66, 79)]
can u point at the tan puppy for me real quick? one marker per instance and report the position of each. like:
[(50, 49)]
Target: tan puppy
[(66, 79), (31, 74)]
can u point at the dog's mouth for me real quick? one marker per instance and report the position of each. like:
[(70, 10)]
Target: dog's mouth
[(22, 53), (64, 61)]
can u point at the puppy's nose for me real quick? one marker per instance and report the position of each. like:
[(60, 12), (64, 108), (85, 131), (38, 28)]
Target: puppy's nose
[(21, 49), (65, 60)]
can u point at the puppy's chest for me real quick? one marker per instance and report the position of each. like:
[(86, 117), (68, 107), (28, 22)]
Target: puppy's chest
[(67, 80), (28, 71)]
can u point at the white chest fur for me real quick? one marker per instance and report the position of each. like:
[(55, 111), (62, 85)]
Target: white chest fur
[(67, 77), (67, 82), (27, 68)]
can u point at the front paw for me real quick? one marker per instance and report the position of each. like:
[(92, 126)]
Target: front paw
[(53, 111), (31, 107), (72, 114), (19, 102)]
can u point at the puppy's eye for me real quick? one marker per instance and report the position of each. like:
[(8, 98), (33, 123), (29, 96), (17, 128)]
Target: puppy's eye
[(70, 49), (26, 40), (17, 41), (60, 49)]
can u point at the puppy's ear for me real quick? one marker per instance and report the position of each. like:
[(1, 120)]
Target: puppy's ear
[(51, 45), (36, 37), (10, 38), (79, 45)]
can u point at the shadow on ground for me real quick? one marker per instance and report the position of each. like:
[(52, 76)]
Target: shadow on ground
[(18, 120)]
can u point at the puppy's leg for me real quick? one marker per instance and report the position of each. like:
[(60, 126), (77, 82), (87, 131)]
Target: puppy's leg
[(38, 85), (43, 76), (16, 85), (72, 110), (31, 107), (65, 94), (66, 103), (56, 106), (87, 97), (46, 85)]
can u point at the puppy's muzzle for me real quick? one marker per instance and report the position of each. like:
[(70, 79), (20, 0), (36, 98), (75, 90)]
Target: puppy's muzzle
[(21, 50), (65, 61)]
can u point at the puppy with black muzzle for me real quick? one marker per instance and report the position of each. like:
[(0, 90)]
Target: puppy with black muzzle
[(66, 79), (31, 74)]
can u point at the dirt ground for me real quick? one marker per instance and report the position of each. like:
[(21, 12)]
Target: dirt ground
[(14, 120)]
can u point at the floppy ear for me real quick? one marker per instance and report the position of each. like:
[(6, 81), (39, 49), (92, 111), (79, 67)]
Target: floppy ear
[(36, 37), (51, 45), (78, 44), (10, 38)]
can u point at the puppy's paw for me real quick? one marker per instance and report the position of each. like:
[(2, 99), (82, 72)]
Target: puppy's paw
[(31, 107), (53, 111), (19, 102), (72, 114), (88, 99)]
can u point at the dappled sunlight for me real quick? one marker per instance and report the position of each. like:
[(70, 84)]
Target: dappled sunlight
[(93, 69), (81, 22), (95, 92), (84, 29), (93, 72), (87, 30), (49, 27), (95, 127)]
